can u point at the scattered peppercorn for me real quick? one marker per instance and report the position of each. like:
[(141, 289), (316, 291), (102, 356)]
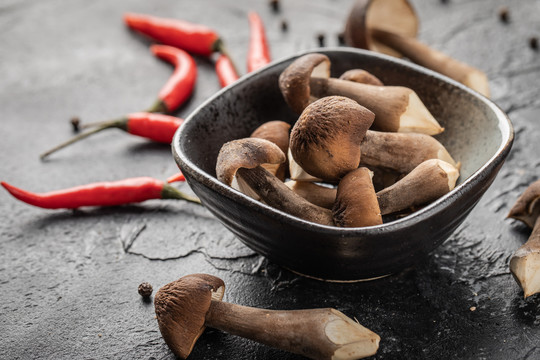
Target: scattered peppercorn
[(75, 122), (284, 25), (341, 38), (533, 43), (275, 5), (504, 14), (320, 38), (145, 290)]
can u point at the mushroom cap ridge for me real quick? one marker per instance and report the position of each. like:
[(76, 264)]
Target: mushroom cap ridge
[(246, 153), (181, 307), (527, 206), (325, 141), (294, 80)]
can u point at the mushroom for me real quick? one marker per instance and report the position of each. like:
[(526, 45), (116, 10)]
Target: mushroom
[(277, 132), (242, 158), (396, 108), (325, 141), (361, 76), (398, 153), (323, 196), (390, 26), (260, 153), (525, 262), (186, 306), (427, 182), (356, 203), (401, 152)]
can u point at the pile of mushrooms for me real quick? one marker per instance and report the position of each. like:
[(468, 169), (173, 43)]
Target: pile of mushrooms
[(359, 150)]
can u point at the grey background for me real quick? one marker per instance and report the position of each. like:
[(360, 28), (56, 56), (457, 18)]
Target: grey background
[(68, 279)]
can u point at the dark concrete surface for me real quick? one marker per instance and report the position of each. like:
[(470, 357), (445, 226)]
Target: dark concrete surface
[(68, 279)]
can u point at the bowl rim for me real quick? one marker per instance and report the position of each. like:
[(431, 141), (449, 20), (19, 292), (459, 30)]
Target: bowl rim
[(504, 125)]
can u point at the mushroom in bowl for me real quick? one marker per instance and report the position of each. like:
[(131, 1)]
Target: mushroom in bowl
[(476, 132)]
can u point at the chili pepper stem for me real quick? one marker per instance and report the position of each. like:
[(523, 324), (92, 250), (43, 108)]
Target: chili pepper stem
[(169, 192), (158, 107), (220, 47), (121, 124)]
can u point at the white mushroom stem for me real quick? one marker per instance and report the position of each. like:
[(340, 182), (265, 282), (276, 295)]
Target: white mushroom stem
[(296, 172), (401, 152), (276, 194), (427, 182), (396, 108), (322, 196), (525, 263), (317, 333), (433, 59)]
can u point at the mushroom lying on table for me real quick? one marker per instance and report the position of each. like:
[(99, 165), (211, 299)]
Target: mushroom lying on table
[(390, 26), (186, 306), (396, 108), (525, 263)]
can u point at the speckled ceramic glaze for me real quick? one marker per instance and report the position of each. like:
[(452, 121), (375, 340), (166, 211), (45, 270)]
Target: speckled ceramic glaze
[(477, 133)]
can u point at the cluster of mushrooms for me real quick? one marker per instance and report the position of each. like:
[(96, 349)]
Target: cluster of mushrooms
[(341, 172)]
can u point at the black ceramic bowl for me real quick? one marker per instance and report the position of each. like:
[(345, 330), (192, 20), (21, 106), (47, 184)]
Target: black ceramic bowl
[(477, 133)]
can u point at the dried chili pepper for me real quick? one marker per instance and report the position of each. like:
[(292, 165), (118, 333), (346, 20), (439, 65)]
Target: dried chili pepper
[(194, 38), (225, 71), (258, 53), (111, 193), (181, 83), (157, 127), (179, 177)]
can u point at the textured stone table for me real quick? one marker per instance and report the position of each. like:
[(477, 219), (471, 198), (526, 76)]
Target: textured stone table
[(68, 279)]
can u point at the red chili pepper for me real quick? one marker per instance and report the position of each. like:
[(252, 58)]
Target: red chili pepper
[(176, 178), (194, 38), (180, 85), (225, 71), (157, 127), (112, 193), (258, 53)]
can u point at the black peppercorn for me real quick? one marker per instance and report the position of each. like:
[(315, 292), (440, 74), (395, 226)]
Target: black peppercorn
[(275, 5), (320, 38), (533, 43), (341, 38), (75, 122), (145, 289), (504, 14), (284, 25)]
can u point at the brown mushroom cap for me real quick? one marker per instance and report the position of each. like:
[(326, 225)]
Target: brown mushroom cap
[(527, 206), (294, 80), (275, 131), (396, 16), (356, 203), (325, 141), (246, 153), (181, 308), (361, 76)]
